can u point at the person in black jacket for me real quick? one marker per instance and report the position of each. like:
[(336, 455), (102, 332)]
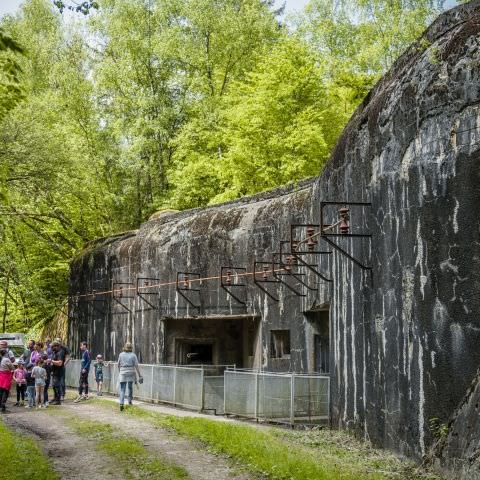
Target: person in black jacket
[(58, 372), (84, 372)]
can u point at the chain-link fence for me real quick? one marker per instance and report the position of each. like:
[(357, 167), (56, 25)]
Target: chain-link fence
[(280, 397), (195, 387)]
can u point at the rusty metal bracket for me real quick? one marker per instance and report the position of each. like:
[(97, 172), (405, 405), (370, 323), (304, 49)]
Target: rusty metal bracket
[(265, 273), (307, 246), (118, 293), (290, 262), (184, 284), (279, 270), (229, 280), (144, 283), (341, 228)]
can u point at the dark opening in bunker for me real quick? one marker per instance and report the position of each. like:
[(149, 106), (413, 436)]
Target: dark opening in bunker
[(197, 353), (280, 343), (320, 322), (226, 340)]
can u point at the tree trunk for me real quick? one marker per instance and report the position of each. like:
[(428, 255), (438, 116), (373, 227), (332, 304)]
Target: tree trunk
[(5, 302)]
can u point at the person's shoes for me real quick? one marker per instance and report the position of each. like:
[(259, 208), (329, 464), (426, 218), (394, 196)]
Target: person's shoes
[(62, 398), (55, 402), (17, 404), (85, 397), (78, 399), (121, 408), (130, 403), (22, 403), (47, 404)]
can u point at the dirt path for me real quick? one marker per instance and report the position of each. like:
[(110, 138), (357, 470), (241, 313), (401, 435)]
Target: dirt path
[(200, 464), (75, 457)]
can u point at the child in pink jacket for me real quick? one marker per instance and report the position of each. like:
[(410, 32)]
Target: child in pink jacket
[(21, 382)]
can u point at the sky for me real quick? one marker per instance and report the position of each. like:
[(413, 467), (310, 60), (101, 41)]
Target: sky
[(9, 6)]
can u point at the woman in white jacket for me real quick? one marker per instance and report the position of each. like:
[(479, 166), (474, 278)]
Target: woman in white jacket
[(128, 371)]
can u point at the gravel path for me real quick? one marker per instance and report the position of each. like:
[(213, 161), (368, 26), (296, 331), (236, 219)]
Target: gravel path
[(200, 464), (72, 456)]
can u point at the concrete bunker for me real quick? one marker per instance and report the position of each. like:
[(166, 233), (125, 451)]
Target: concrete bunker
[(401, 345)]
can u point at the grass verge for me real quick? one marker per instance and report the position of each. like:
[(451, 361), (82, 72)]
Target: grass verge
[(21, 458), (264, 451), (128, 452)]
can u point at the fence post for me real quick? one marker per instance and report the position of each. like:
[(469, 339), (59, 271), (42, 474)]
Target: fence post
[(202, 394), (256, 397), (174, 385), (292, 399), (151, 384)]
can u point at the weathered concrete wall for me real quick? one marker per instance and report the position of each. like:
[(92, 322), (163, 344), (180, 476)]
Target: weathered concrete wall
[(405, 336), (458, 454), (407, 340)]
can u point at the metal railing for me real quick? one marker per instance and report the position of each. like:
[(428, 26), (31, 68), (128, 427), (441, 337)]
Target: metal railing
[(280, 397)]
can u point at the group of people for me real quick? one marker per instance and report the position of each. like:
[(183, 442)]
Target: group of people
[(40, 365), (43, 365)]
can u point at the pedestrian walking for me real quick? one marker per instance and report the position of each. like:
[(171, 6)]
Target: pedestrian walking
[(19, 377), (128, 371), (84, 372), (40, 376), (6, 374), (98, 368)]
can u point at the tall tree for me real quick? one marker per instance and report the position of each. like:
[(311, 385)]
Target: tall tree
[(161, 64)]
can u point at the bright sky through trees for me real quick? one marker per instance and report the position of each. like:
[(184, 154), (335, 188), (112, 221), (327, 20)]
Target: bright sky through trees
[(9, 6)]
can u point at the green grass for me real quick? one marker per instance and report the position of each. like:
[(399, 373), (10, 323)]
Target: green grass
[(21, 458), (281, 454), (128, 452), (262, 450), (335, 444)]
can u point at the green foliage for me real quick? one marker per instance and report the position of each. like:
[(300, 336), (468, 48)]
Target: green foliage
[(10, 88), (81, 7), (21, 459), (438, 429)]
